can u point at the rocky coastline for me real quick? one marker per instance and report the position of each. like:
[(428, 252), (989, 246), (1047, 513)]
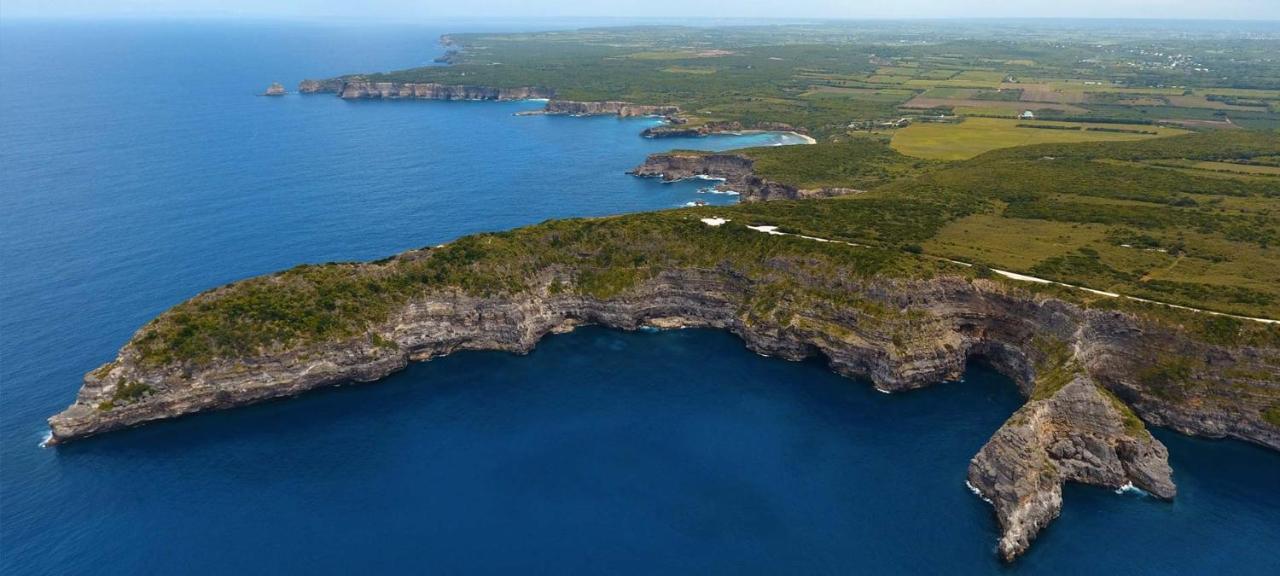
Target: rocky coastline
[(358, 88), (1085, 372), (606, 108), (736, 171), (681, 128)]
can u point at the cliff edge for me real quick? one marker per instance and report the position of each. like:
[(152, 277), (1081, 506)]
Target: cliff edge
[(1092, 376), (359, 88)]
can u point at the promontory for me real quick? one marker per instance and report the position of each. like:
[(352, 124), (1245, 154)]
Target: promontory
[(898, 283)]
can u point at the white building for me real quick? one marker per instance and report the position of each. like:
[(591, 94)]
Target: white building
[(1028, 115)]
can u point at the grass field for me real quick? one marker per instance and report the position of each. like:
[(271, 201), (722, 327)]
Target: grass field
[(1014, 243), (1024, 244), (977, 135)]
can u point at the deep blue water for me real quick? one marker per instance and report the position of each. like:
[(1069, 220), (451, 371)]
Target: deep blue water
[(137, 168)]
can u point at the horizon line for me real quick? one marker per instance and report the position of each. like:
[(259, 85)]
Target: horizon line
[(338, 19)]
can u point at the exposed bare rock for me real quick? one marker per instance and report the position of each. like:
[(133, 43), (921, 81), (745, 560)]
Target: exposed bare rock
[(686, 130), (361, 89), (1078, 434), (275, 89), (610, 108), (357, 88), (1075, 364), (945, 322), (678, 128), (329, 86), (737, 172), (735, 169)]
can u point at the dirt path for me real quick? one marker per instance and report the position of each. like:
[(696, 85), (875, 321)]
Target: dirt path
[(1007, 274)]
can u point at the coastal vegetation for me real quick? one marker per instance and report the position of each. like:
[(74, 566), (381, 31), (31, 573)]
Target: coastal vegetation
[(1063, 212), (1102, 215), (859, 163), (836, 79), (601, 257)]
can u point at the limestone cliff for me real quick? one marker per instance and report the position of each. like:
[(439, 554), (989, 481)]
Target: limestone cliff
[(679, 128), (357, 88), (737, 171), (1091, 375), (1078, 434), (328, 86), (610, 108), (360, 88)]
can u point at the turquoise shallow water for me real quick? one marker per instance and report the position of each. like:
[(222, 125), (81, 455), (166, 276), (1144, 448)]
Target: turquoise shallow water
[(137, 168)]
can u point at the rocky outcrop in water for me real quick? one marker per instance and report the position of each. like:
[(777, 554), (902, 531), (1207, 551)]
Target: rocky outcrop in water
[(275, 89), (737, 171), (1080, 434), (361, 89)]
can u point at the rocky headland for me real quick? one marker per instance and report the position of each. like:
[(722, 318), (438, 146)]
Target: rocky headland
[(736, 171), (607, 108), (682, 128), (1091, 376)]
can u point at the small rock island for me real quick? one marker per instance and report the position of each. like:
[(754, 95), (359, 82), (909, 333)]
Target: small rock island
[(275, 89)]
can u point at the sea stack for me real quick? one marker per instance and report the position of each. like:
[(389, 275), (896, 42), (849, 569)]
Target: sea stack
[(275, 89)]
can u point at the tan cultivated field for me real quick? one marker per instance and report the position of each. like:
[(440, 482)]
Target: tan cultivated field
[(977, 135)]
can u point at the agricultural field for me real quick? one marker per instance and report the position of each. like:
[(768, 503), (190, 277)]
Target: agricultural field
[(823, 78), (1096, 214), (975, 136), (1138, 174)]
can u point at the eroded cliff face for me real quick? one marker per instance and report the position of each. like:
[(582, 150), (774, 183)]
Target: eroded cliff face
[(737, 171), (678, 128), (1078, 434), (328, 86), (907, 334), (609, 108), (359, 88)]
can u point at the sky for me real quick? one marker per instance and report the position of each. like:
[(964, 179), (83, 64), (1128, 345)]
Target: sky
[(427, 10)]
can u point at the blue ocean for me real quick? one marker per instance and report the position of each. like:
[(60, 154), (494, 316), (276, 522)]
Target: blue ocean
[(139, 167)]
